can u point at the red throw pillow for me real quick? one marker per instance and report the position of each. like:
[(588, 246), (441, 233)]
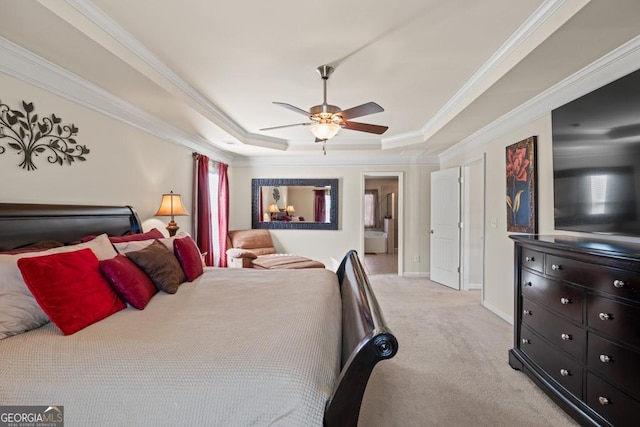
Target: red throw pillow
[(188, 254), (130, 283), (69, 288), (154, 233)]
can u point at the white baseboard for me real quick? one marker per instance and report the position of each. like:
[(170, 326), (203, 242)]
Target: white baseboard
[(504, 316), (415, 274)]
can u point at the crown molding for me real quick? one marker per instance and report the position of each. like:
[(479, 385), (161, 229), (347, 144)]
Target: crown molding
[(336, 158), (461, 98), (615, 64), (528, 27), (115, 31), (24, 65), (89, 19), (402, 140)]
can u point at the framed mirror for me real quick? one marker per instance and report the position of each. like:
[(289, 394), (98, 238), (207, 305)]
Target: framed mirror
[(302, 204)]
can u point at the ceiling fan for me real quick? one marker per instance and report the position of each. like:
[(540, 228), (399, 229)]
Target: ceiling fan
[(327, 120)]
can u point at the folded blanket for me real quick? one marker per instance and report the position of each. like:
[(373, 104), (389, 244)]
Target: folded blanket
[(283, 261)]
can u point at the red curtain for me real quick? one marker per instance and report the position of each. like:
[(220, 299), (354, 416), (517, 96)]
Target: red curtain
[(202, 208), (223, 211), (319, 206)]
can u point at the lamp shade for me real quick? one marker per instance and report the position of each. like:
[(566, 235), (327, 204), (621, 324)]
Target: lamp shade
[(171, 205), (325, 130), (290, 209), (273, 208)]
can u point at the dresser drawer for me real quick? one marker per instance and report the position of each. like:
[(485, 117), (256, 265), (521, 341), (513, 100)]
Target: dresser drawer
[(620, 321), (565, 371), (620, 409), (617, 364), (560, 332), (563, 298), (532, 259), (614, 281)]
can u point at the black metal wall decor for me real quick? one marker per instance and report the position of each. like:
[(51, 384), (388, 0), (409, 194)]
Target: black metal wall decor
[(30, 137)]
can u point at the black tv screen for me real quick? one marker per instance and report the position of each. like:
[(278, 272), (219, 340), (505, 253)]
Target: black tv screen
[(596, 160)]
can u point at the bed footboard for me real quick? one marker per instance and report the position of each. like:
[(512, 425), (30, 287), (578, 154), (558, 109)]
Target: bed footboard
[(366, 340)]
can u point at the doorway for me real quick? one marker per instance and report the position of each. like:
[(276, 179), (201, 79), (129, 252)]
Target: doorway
[(473, 215), (382, 222)]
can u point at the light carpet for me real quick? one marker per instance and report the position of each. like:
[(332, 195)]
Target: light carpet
[(452, 365)]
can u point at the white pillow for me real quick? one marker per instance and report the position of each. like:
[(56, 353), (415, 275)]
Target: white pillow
[(137, 245), (19, 311)]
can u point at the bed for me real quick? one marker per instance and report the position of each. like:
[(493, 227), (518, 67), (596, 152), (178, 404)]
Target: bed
[(233, 347)]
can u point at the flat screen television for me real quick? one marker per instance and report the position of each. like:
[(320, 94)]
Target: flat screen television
[(596, 160)]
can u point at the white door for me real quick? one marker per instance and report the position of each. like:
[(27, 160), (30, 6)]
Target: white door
[(445, 227)]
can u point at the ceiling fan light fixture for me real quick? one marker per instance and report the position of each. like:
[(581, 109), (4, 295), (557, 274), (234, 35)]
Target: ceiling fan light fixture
[(325, 131)]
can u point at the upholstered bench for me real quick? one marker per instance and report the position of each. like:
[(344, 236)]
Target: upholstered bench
[(254, 249)]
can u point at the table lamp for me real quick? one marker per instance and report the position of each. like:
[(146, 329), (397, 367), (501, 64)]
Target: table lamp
[(171, 205)]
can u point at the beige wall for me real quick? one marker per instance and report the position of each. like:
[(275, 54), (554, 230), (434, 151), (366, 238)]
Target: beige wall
[(325, 245), (124, 167), (498, 292)]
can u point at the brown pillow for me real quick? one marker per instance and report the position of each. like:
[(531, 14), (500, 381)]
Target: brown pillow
[(257, 241), (45, 244), (161, 266)]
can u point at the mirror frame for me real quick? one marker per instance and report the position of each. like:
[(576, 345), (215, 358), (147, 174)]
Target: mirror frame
[(256, 183)]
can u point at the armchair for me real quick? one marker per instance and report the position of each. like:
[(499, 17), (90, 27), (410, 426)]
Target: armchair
[(254, 249)]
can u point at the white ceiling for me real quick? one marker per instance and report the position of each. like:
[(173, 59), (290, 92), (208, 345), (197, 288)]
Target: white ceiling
[(442, 70)]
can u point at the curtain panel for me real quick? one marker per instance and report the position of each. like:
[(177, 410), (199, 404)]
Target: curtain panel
[(202, 208), (223, 212), (319, 206)]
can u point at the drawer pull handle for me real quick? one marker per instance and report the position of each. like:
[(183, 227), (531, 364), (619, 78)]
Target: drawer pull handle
[(556, 267), (604, 316), (604, 358), (565, 301), (604, 400), (619, 284), (565, 372), (525, 283), (529, 259), (526, 312), (525, 341), (566, 337)]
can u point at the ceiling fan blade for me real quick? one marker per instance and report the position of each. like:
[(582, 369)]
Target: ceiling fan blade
[(292, 108), (286, 126), (361, 110), (365, 127)]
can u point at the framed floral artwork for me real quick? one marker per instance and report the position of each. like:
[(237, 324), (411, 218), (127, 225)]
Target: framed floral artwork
[(521, 186)]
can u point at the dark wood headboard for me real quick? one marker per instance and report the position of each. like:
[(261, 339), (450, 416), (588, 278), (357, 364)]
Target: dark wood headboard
[(23, 224)]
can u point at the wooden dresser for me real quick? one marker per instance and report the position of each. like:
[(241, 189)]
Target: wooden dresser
[(577, 325)]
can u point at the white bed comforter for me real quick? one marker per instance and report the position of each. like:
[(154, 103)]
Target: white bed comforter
[(237, 347)]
